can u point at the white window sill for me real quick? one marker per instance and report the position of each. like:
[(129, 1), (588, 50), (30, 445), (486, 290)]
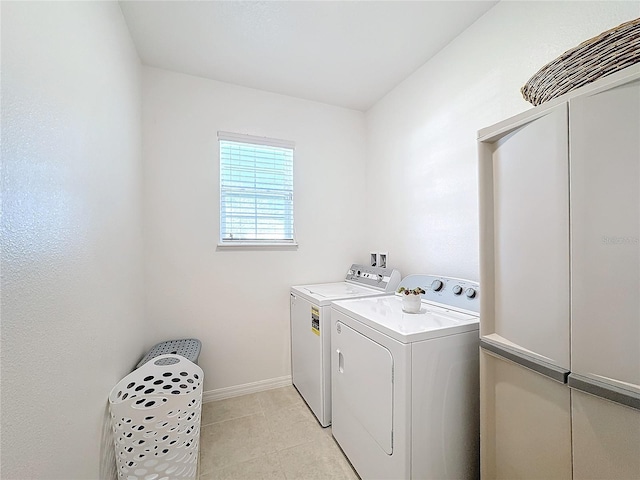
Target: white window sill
[(257, 246)]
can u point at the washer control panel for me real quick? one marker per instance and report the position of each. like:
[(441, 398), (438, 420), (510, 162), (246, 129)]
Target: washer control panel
[(447, 291), (385, 279)]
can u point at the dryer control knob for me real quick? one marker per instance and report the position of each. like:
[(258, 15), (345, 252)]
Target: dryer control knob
[(437, 285), (470, 293), (457, 290)]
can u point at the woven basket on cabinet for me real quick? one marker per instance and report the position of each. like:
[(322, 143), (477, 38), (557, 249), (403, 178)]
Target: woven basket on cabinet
[(597, 57)]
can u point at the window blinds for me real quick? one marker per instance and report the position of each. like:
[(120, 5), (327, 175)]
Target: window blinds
[(256, 189)]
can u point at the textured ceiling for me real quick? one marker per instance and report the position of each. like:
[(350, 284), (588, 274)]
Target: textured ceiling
[(345, 53)]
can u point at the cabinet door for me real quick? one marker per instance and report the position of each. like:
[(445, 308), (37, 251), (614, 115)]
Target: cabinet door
[(605, 240), (525, 423), (525, 241), (606, 439)]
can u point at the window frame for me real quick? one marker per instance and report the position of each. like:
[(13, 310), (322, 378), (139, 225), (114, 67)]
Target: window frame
[(254, 243)]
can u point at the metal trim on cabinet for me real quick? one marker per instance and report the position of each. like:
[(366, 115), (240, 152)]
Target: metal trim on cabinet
[(605, 390), (552, 371)]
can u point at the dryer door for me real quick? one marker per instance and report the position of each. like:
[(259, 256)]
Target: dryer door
[(362, 380)]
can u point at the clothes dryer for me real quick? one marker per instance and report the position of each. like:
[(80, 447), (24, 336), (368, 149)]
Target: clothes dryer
[(405, 393), (311, 333)]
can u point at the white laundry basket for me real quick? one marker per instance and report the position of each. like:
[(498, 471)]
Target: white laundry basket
[(155, 415)]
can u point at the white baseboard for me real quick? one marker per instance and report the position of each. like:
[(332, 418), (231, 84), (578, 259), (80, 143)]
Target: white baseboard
[(236, 391)]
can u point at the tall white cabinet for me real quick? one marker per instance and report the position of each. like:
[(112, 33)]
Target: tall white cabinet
[(605, 287), (560, 269)]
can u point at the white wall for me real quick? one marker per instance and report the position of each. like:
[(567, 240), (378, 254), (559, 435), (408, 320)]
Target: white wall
[(72, 310), (237, 301), (421, 138)]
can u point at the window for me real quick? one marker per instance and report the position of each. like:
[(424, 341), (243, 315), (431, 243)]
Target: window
[(256, 190)]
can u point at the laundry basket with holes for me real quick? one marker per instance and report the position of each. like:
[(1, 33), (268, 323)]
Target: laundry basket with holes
[(155, 415)]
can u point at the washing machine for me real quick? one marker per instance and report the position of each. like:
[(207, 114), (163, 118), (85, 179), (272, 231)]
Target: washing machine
[(405, 389), (311, 333)]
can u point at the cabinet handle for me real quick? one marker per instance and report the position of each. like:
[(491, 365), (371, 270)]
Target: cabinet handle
[(604, 390), (552, 371)]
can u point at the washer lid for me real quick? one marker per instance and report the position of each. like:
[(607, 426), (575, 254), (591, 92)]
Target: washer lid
[(325, 293), (385, 314)]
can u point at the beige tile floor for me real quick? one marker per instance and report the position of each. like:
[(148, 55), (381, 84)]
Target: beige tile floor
[(267, 435)]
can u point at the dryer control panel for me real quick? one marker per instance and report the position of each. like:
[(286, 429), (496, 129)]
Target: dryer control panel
[(446, 291)]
